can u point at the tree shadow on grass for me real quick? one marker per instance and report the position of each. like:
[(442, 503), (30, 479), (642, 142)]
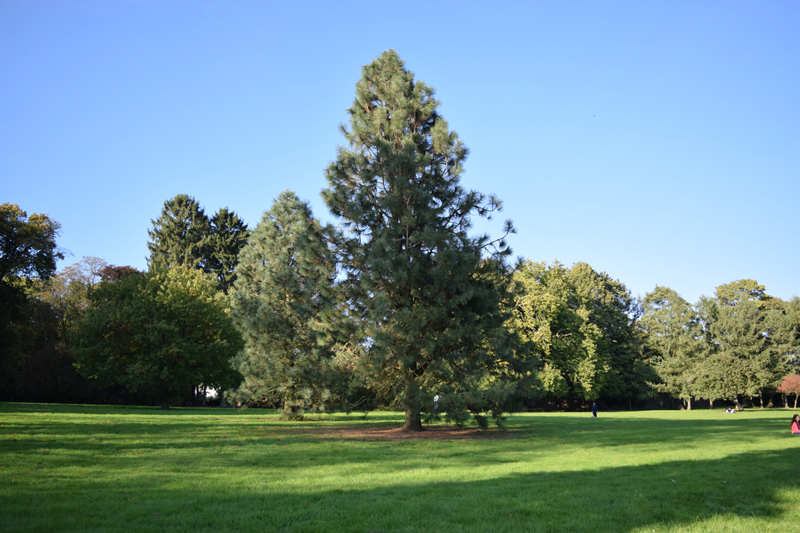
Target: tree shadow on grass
[(118, 438), (745, 489)]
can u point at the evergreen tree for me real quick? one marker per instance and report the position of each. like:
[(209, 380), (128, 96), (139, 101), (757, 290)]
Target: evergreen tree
[(180, 235), (414, 276), (228, 236), (284, 287)]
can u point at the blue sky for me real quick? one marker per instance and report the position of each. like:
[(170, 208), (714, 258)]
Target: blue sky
[(656, 141)]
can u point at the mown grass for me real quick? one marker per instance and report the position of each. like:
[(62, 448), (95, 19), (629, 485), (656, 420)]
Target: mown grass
[(76, 468)]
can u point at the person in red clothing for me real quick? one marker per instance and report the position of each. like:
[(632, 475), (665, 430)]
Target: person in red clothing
[(796, 425)]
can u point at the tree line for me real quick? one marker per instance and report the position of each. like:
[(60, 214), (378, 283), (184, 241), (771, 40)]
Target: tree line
[(395, 304)]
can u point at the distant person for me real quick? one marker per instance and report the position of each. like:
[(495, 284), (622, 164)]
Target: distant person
[(796, 425), (594, 409)]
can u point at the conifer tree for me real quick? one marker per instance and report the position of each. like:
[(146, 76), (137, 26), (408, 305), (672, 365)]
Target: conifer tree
[(180, 235), (428, 309), (283, 288), (228, 236)]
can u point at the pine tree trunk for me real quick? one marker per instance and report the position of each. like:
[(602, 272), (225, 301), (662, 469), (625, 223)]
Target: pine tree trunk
[(413, 420)]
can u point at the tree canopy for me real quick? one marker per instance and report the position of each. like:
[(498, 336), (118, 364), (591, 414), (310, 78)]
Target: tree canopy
[(672, 330), (228, 235), (160, 332), (582, 324), (27, 244), (180, 235)]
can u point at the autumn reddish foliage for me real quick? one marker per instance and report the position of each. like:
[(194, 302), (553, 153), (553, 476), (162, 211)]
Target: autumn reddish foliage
[(790, 384), (112, 274)]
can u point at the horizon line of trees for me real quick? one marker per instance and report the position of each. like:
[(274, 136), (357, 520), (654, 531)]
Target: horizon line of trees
[(395, 305)]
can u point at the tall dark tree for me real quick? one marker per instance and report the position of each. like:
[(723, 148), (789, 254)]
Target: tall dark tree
[(28, 250), (180, 236), (283, 290), (413, 272), (228, 236)]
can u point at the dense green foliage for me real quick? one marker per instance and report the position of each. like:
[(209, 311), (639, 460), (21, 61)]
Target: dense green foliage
[(284, 288), (228, 235), (582, 324), (184, 235), (737, 345), (70, 469), (417, 283), (672, 330), (180, 235), (27, 244), (160, 332), (28, 252)]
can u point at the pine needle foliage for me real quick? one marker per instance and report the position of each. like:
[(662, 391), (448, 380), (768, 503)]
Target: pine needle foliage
[(417, 282), (284, 286)]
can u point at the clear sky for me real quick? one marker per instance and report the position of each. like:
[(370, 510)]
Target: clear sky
[(657, 141)]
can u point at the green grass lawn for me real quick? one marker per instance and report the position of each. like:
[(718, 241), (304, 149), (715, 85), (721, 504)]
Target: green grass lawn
[(85, 468)]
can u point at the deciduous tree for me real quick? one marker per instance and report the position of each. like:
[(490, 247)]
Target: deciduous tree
[(28, 251), (27, 244), (671, 328), (742, 357), (581, 323), (163, 331), (790, 385)]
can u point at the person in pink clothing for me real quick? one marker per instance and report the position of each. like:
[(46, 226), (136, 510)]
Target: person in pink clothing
[(796, 425)]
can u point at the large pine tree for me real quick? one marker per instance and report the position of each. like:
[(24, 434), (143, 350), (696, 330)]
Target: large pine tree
[(419, 284)]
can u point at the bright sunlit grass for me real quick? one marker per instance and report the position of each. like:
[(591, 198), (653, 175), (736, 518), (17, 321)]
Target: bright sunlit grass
[(76, 468)]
